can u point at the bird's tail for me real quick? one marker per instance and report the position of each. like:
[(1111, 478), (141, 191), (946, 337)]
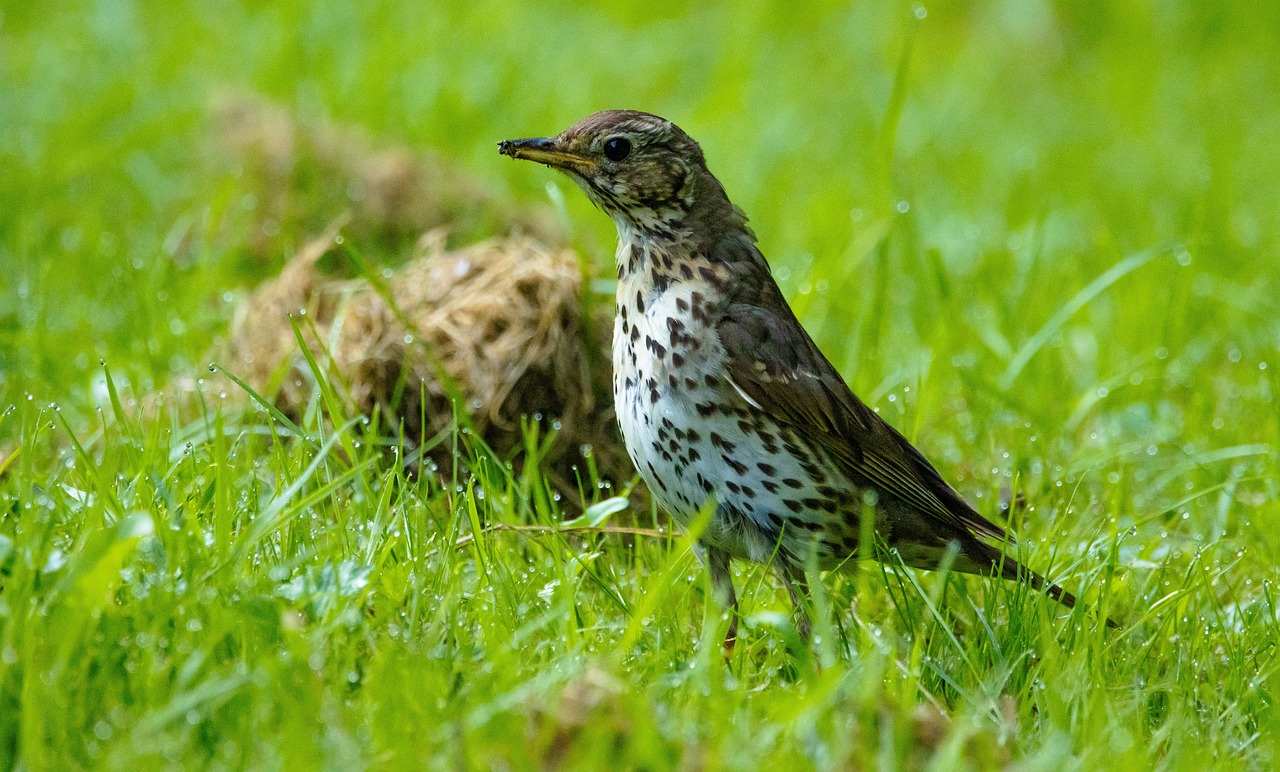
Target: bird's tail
[(980, 557)]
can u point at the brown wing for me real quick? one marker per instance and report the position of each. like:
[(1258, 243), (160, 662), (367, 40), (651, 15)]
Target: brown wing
[(774, 363)]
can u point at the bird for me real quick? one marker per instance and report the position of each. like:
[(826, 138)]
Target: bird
[(723, 399)]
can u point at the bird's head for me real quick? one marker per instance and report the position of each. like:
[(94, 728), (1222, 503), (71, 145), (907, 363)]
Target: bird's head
[(642, 170)]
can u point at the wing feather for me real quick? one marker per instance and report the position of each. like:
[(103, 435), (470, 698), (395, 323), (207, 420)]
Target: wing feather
[(775, 365)]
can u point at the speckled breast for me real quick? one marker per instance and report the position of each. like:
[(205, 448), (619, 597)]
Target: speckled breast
[(694, 439)]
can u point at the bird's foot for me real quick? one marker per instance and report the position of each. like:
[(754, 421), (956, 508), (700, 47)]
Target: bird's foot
[(731, 637), (804, 627)]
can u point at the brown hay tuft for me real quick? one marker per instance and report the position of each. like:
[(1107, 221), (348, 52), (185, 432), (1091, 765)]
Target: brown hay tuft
[(500, 321), (503, 325)]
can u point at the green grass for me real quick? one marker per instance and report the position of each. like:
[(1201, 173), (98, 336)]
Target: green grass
[(1041, 238)]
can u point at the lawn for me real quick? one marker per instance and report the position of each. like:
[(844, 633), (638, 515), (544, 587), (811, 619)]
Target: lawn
[(1041, 238)]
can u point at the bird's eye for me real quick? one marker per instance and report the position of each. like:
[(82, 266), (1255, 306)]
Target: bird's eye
[(617, 148)]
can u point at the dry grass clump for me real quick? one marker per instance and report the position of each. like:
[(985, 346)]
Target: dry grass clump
[(497, 326), (495, 329)]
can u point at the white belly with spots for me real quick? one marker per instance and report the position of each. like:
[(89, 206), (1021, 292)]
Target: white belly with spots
[(683, 425)]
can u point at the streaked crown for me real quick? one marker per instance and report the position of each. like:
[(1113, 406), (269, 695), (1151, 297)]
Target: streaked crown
[(642, 170)]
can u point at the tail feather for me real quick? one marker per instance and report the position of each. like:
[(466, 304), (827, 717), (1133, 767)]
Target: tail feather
[(980, 557)]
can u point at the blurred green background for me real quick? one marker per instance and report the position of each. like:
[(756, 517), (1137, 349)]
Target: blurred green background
[(1037, 144), (1041, 237)]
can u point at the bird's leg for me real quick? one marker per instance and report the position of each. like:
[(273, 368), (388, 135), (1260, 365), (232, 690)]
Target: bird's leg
[(717, 561), (793, 579)]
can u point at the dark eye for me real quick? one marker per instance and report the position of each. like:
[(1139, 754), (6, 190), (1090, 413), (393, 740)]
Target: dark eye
[(617, 148)]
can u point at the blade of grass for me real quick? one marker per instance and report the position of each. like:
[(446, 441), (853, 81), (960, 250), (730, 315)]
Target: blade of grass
[(1069, 309)]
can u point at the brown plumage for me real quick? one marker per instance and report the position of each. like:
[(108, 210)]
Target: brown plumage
[(723, 397)]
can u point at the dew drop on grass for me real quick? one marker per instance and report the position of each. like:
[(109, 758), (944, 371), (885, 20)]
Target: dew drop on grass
[(102, 730)]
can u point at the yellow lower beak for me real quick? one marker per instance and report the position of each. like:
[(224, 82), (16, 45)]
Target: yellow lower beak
[(544, 150)]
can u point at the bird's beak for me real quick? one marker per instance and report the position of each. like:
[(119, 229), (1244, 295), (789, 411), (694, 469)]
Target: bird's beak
[(544, 150)]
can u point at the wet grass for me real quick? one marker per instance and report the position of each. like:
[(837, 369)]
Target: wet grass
[(1040, 238)]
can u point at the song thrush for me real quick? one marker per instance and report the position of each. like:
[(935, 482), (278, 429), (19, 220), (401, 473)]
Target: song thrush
[(722, 396)]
